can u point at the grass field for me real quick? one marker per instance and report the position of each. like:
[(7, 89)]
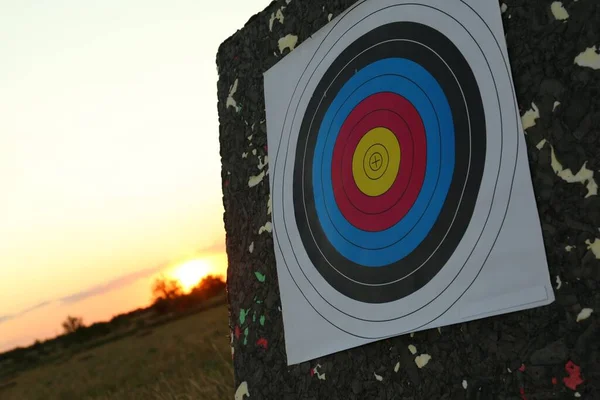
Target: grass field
[(189, 358)]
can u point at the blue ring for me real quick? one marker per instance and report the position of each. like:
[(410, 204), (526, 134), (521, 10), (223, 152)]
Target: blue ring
[(381, 248), (401, 86)]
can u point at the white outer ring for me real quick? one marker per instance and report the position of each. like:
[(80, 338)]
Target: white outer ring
[(368, 320)]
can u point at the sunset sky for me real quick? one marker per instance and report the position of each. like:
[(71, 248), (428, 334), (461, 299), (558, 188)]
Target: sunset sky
[(109, 154)]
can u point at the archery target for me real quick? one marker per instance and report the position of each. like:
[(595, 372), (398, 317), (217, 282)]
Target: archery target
[(392, 177)]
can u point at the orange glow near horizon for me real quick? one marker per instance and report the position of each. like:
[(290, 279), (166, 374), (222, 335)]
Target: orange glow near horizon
[(45, 322), (190, 273), (109, 156)]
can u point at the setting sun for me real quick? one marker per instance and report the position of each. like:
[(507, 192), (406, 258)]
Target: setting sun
[(191, 272)]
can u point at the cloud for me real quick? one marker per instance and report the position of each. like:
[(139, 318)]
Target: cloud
[(125, 280), (4, 318), (33, 308), (117, 283)]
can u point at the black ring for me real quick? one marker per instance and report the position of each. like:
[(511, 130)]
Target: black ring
[(284, 153), (415, 42)]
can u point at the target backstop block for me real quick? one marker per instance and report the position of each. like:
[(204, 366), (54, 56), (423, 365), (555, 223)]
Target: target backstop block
[(376, 184)]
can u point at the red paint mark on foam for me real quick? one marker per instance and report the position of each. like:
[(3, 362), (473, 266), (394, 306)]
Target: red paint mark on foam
[(312, 372), (266, 148), (574, 379), (522, 393), (554, 380), (263, 343), (521, 387), (237, 332), (226, 183)]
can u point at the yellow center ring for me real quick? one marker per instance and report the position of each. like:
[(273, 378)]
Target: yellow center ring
[(376, 161)]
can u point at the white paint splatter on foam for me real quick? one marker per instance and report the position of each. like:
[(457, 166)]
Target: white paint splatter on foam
[(251, 247), (589, 58), (263, 162), (253, 152), (584, 176), (316, 372), (397, 367), (268, 227), (594, 247), (541, 144), (465, 385), (255, 180), (244, 155), (577, 394), (558, 282), (242, 391), (289, 41), (556, 104), (378, 377), (503, 8), (412, 349), (528, 119), (568, 248), (230, 100), (329, 17), (584, 314), (278, 15), (422, 360), (269, 205), (559, 11)]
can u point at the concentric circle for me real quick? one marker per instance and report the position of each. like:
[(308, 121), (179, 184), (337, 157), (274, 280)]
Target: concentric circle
[(373, 256), (402, 119), (375, 164), (410, 70), (436, 117), (376, 161)]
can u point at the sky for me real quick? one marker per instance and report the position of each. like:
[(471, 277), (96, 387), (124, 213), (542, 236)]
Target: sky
[(109, 153)]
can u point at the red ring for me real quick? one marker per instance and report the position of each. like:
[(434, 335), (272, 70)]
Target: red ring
[(382, 212), (395, 123)]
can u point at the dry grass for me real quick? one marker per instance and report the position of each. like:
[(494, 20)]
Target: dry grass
[(185, 359)]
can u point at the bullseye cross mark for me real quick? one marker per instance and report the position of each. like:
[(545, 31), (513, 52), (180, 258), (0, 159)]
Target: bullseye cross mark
[(376, 161)]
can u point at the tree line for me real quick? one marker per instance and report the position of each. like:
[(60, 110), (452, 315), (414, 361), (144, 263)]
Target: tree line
[(168, 297)]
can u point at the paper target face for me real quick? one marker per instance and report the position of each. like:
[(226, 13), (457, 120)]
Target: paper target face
[(393, 174)]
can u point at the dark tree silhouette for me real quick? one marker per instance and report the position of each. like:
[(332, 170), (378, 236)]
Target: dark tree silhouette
[(169, 296), (166, 289), (165, 293), (208, 287), (72, 324)]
